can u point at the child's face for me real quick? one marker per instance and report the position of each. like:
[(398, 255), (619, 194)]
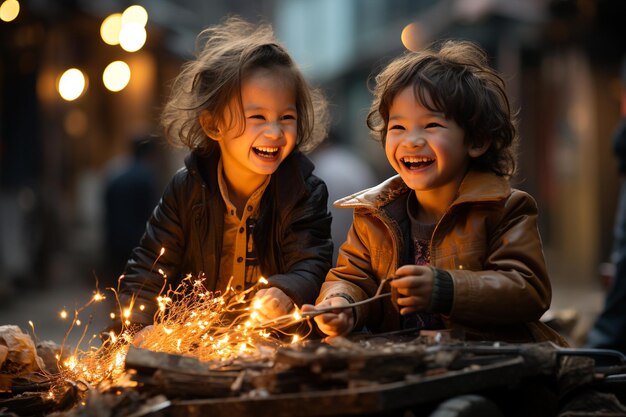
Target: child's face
[(425, 148), (269, 108)]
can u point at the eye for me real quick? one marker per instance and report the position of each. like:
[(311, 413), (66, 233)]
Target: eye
[(256, 116), (288, 117), (433, 125), (395, 127)]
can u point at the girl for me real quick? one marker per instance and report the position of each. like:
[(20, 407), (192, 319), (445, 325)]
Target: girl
[(246, 204), (460, 245)]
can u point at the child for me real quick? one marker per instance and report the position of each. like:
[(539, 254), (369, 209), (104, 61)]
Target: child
[(461, 246), (246, 204)]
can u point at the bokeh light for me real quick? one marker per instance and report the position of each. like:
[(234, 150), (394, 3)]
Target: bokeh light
[(110, 29), (132, 36), (9, 10), (116, 76), (135, 14), (413, 37), (72, 84)]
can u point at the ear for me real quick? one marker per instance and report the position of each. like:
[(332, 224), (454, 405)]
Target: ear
[(477, 150), (208, 125)]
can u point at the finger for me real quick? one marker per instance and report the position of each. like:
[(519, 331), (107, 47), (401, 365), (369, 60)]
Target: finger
[(408, 270), (408, 310), (408, 301), (307, 307), (410, 281)]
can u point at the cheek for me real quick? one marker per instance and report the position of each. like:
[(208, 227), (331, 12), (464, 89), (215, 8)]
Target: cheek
[(390, 151)]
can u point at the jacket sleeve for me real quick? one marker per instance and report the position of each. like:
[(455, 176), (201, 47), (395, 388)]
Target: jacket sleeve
[(146, 272), (353, 275), (513, 286), (307, 246)]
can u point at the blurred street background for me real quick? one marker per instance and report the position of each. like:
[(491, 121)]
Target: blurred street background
[(66, 135)]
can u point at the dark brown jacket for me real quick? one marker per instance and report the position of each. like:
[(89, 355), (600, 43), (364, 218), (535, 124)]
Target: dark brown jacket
[(292, 235), (487, 241)]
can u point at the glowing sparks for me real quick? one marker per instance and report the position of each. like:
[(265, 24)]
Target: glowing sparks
[(216, 327)]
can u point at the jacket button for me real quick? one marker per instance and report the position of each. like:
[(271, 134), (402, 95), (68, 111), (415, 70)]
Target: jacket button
[(241, 229), (249, 208), (238, 287), (240, 259)]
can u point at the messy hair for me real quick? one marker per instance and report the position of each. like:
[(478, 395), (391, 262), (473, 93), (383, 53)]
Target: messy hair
[(453, 78), (226, 54)]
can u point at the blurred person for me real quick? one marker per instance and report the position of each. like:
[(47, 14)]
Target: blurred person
[(345, 173), (460, 246), (609, 329), (246, 204), (132, 189)]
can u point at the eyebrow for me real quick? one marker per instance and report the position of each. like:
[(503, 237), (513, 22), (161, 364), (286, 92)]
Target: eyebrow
[(440, 115), (261, 108)]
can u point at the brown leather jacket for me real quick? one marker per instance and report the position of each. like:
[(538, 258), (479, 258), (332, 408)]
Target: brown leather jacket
[(487, 241)]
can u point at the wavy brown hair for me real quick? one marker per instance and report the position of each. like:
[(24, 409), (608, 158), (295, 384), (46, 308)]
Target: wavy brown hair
[(454, 78), (226, 54)]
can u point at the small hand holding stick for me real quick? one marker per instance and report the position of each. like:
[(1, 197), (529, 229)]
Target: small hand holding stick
[(299, 316)]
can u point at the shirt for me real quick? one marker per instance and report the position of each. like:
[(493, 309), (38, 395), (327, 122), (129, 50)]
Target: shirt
[(238, 259)]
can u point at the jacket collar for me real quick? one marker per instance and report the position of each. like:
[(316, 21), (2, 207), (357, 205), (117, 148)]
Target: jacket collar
[(476, 186)]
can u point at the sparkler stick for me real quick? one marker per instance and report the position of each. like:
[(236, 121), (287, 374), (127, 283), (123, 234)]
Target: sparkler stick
[(290, 319)]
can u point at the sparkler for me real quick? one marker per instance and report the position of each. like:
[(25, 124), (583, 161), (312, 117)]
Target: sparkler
[(214, 327)]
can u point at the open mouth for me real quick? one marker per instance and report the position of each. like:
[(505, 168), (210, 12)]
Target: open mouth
[(266, 151), (416, 162)]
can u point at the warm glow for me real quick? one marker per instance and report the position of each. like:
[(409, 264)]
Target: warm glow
[(132, 37), (63, 314), (135, 14), (72, 84), (9, 10), (413, 36), (116, 76), (110, 29)]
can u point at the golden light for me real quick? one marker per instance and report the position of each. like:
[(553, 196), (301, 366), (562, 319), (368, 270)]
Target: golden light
[(63, 314), (116, 76), (132, 36), (413, 37), (135, 14), (110, 29), (9, 10), (72, 84)]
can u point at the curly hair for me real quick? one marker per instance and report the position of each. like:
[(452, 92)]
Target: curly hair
[(454, 78), (226, 54)]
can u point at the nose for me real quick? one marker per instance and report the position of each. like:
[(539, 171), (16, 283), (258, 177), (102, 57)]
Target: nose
[(415, 138), (273, 130)]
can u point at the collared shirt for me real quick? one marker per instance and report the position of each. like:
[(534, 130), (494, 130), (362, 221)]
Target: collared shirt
[(238, 258)]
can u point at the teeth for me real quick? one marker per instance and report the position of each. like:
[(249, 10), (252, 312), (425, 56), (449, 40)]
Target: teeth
[(415, 159), (267, 149)]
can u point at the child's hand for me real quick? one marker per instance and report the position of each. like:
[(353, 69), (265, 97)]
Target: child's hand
[(337, 322), (414, 284), (275, 303)]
